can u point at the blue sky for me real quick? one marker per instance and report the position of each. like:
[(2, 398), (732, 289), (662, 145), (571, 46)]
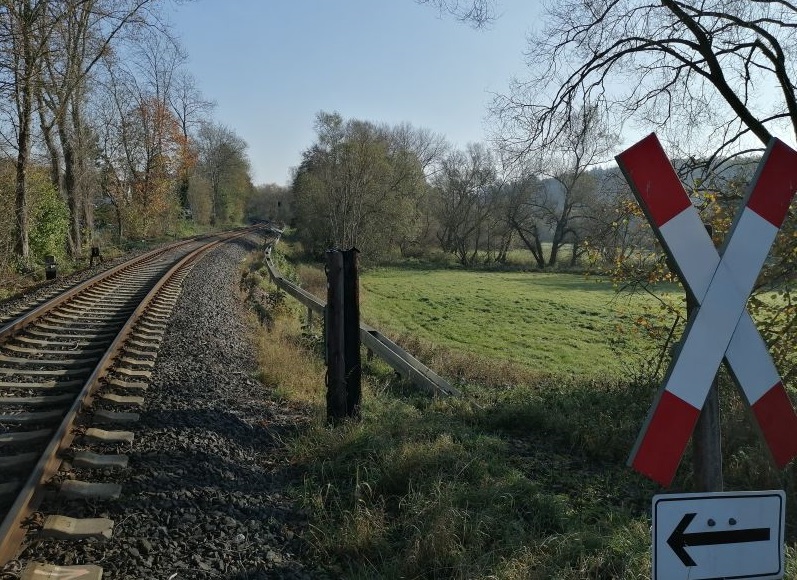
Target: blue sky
[(271, 65)]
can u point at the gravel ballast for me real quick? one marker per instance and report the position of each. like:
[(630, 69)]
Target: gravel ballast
[(204, 495)]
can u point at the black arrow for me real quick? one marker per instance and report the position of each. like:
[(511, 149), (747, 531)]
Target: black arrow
[(678, 540)]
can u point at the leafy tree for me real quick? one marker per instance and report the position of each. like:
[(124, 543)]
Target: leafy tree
[(49, 219), (225, 166), (360, 185), (25, 29)]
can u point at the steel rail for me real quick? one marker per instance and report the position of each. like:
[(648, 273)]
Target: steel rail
[(12, 530), (41, 310)]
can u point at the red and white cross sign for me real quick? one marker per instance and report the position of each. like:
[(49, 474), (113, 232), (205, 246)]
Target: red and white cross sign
[(720, 283)]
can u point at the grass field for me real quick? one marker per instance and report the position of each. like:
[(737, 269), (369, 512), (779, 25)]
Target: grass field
[(563, 323), (522, 478)]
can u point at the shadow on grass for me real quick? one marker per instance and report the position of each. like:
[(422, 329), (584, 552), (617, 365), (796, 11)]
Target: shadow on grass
[(519, 482), (466, 488)]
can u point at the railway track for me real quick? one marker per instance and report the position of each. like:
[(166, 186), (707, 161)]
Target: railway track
[(73, 369)]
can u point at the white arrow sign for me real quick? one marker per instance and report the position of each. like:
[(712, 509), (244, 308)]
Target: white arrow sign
[(711, 536)]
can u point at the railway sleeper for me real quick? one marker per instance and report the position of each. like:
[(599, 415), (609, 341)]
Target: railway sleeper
[(105, 417), (88, 353), (151, 353), (44, 362), (103, 307), (47, 385), (70, 344), (65, 528), (32, 418), (79, 372), (159, 313), (17, 437), (143, 342), (120, 384), (10, 488), (96, 435), (18, 461), (89, 460), (139, 331), (37, 401), (136, 374), (126, 401), (152, 326), (39, 571), (137, 362), (62, 336), (74, 489), (89, 317), (97, 305)]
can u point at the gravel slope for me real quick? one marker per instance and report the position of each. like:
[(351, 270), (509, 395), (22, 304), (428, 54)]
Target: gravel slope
[(204, 495)]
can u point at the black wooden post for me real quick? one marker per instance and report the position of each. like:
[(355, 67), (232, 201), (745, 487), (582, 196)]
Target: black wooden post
[(351, 332), (334, 331)]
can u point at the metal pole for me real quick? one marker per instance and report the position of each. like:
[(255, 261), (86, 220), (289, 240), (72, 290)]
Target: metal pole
[(336, 370), (351, 321)]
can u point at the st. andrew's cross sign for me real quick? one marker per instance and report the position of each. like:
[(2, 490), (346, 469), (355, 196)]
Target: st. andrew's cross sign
[(720, 284)]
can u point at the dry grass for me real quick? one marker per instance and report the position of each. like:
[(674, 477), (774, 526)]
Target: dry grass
[(312, 279), (287, 366)]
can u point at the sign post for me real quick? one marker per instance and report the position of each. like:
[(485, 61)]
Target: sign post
[(719, 328), (714, 535)]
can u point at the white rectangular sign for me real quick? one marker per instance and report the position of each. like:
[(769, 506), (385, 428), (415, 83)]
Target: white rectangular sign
[(730, 535)]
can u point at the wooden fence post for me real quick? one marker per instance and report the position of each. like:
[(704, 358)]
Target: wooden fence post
[(336, 368), (351, 332)]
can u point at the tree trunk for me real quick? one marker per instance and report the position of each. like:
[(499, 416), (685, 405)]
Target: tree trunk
[(82, 192), (22, 245), (574, 254), (72, 195), (25, 100), (555, 244), (534, 246), (52, 150)]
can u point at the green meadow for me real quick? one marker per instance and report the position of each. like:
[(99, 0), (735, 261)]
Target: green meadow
[(552, 323)]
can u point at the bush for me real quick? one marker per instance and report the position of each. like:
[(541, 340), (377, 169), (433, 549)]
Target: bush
[(49, 224)]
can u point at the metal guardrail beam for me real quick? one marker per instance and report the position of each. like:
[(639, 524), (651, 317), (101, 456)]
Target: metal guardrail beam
[(396, 357)]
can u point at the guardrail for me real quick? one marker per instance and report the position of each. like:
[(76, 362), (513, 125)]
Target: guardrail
[(396, 357)]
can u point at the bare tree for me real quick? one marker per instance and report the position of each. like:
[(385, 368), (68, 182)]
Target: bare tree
[(85, 32), (477, 12), (191, 109), (519, 207), (564, 202), (678, 65), (224, 163), (465, 196)]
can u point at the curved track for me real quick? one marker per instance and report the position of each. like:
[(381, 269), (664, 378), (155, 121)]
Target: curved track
[(74, 367)]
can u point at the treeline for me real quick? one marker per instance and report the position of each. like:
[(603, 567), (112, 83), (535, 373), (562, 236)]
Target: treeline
[(105, 133), (403, 191)]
